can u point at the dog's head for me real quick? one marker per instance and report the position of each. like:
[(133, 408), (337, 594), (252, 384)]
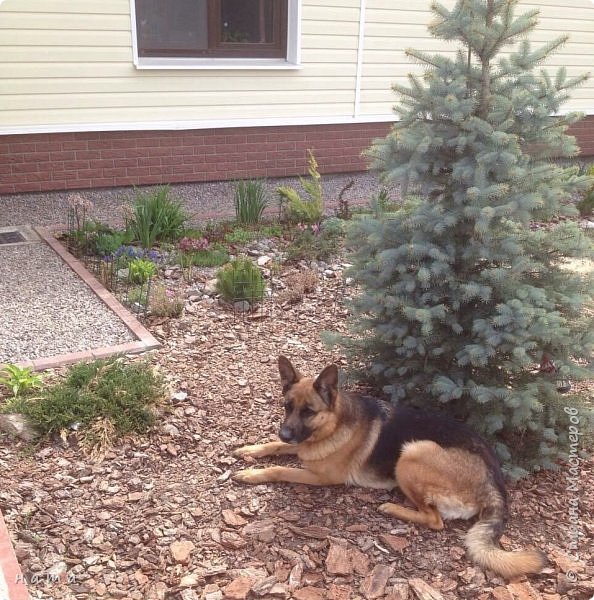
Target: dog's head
[(309, 404)]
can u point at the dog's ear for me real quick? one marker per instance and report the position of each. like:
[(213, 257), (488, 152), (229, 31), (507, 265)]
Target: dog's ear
[(288, 374), (326, 385)]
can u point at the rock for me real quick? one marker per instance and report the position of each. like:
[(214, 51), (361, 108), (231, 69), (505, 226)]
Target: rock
[(241, 306), (210, 287), (374, 585), (180, 551), (18, 425), (263, 260), (329, 273), (523, 590), (170, 429), (238, 589), (179, 396)]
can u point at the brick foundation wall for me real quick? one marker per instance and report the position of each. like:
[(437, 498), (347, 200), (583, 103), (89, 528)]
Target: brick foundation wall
[(61, 161)]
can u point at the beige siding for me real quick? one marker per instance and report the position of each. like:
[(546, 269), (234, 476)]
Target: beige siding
[(391, 29), (70, 63)]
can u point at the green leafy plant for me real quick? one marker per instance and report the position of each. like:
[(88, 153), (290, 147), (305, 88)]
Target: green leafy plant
[(155, 217), (141, 270), (297, 209), (250, 200), (241, 279), (110, 389), (20, 380), (107, 243)]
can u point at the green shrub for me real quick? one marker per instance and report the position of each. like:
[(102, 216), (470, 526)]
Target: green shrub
[(300, 210), (104, 389), (156, 218), (141, 270), (250, 200), (106, 243), (241, 279)]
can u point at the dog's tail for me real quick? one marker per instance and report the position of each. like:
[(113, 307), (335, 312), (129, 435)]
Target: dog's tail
[(482, 542)]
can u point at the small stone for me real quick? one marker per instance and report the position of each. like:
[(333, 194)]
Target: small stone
[(18, 425), (181, 550), (423, 591), (179, 396), (263, 260), (241, 306), (170, 429), (263, 587)]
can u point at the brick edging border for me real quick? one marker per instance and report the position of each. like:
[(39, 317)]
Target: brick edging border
[(144, 339), (12, 582)]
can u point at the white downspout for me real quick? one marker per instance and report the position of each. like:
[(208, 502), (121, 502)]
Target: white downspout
[(359, 72)]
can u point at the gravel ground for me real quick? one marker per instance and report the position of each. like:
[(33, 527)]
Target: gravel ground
[(47, 310), (204, 201)]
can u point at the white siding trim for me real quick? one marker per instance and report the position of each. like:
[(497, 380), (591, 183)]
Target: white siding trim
[(360, 48), (293, 60), (203, 124)]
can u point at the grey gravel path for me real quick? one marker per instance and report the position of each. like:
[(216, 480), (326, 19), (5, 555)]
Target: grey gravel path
[(45, 309)]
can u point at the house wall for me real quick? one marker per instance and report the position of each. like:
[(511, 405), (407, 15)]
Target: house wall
[(67, 80)]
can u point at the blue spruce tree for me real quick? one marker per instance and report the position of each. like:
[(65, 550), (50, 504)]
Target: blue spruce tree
[(462, 300)]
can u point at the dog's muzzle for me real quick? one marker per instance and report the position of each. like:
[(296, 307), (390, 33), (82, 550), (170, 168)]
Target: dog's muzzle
[(287, 435)]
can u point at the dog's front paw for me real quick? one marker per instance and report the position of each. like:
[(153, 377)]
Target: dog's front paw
[(255, 451), (251, 476)]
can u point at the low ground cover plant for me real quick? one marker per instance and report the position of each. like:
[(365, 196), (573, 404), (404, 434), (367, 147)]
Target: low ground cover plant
[(110, 389)]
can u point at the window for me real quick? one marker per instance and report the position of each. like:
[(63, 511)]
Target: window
[(212, 29)]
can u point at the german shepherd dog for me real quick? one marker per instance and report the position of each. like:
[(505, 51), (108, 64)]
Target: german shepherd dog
[(445, 469)]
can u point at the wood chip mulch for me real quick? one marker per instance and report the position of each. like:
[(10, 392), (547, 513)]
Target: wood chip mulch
[(161, 518)]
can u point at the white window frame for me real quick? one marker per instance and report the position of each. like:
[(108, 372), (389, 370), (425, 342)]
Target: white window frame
[(292, 61)]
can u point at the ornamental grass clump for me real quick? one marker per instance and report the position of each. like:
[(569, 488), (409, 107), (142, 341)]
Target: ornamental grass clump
[(241, 279), (155, 217), (250, 200)]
